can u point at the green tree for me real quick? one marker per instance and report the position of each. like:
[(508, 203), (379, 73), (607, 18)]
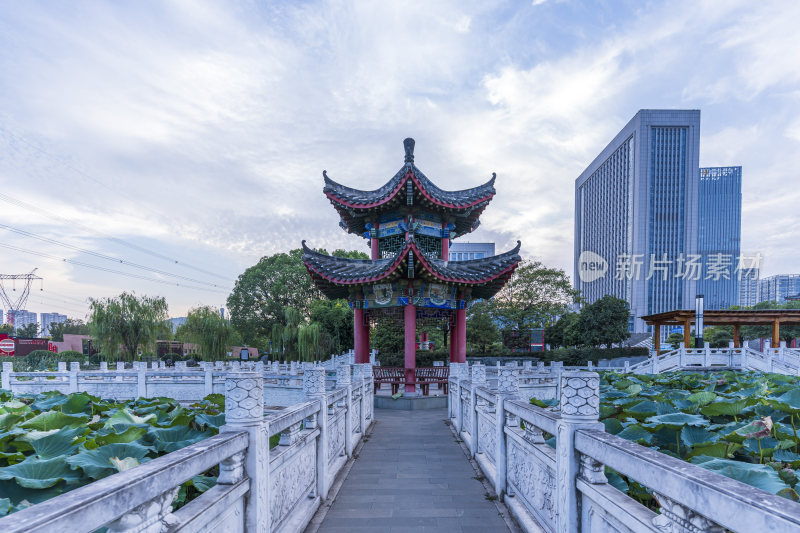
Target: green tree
[(718, 336), (335, 319), (533, 296), (126, 321), (308, 342), (71, 326), (8, 329), (387, 337), (675, 340), (264, 291), (482, 330), (29, 331), (563, 332), (604, 321), (211, 332)]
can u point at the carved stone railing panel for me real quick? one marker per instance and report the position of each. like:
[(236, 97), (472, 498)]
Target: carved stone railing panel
[(292, 482), (533, 480), (355, 415), (336, 437), (487, 443)]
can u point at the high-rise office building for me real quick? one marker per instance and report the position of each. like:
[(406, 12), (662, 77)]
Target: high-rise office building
[(48, 319), (778, 288), (719, 235), (464, 251), (636, 211), (748, 286), (21, 318)]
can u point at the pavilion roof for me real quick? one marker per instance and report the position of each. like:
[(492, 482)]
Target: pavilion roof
[(749, 317), (355, 206), (335, 276)]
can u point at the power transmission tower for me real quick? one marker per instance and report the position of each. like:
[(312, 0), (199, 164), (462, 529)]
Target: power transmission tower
[(18, 302)]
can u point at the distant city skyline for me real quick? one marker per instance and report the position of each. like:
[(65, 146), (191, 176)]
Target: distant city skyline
[(192, 141)]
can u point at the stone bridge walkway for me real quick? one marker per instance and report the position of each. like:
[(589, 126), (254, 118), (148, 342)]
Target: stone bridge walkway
[(412, 475)]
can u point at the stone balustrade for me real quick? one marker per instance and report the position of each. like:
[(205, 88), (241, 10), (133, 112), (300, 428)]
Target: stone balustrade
[(258, 488), (548, 465), (780, 360), (282, 382)]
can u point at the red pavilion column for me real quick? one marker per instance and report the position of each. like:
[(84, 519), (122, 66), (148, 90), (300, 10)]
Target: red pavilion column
[(365, 338), (445, 243), (361, 351), (375, 244), (453, 342), (410, 316), (461, 332)]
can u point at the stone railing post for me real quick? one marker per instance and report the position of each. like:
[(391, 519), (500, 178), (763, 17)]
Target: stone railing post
[(62, 366), (8, 368), (627, 367), (314, 390), (358, 384), (457, 371), (507, 389), (478, 380), (74, 367), (366, 385), (208, 378), (141, 381), (580, 409), (244, 411), (120, 368), (343, 380)]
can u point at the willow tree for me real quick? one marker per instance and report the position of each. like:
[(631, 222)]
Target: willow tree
[(211, 332), (293, 319), (128, 322), (308, 342)]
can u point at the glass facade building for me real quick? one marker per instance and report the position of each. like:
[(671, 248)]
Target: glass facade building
[(719, 234), (748, 286), (778, 288), (636, 209)]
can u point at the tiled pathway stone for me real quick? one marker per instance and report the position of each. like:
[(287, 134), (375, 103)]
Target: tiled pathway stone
[(412, 476)]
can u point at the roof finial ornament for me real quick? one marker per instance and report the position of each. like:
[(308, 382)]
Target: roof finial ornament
[(409, 146)]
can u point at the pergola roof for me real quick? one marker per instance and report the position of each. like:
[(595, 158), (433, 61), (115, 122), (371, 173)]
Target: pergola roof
[(464, 207), (745, 317), (334, 276)]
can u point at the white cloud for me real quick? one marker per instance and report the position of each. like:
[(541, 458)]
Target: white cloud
[(204, 128)]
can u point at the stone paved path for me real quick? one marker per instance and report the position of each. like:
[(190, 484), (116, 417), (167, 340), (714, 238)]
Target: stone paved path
[(412, 476)]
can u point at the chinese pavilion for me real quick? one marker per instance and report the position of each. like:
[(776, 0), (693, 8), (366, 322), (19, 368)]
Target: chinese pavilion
[(409, 223)]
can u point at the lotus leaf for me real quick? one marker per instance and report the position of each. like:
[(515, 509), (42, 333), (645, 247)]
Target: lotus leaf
[(36, 473), (53, 420), (760, 476), (97, 463)]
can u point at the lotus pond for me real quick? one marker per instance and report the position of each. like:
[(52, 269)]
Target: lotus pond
[(51, 443), (739, 424)]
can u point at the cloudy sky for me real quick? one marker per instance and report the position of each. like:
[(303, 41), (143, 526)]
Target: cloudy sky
[(190, 137)]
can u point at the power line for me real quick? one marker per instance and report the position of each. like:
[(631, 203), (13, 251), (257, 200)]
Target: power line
[(104, 269), (107, 257), (123, 242), (82, 301)]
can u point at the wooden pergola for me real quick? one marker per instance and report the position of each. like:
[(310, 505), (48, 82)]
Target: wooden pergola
[(735, 318)]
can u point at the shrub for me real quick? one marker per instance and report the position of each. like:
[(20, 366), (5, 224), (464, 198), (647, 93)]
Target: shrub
[(580, 356)]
